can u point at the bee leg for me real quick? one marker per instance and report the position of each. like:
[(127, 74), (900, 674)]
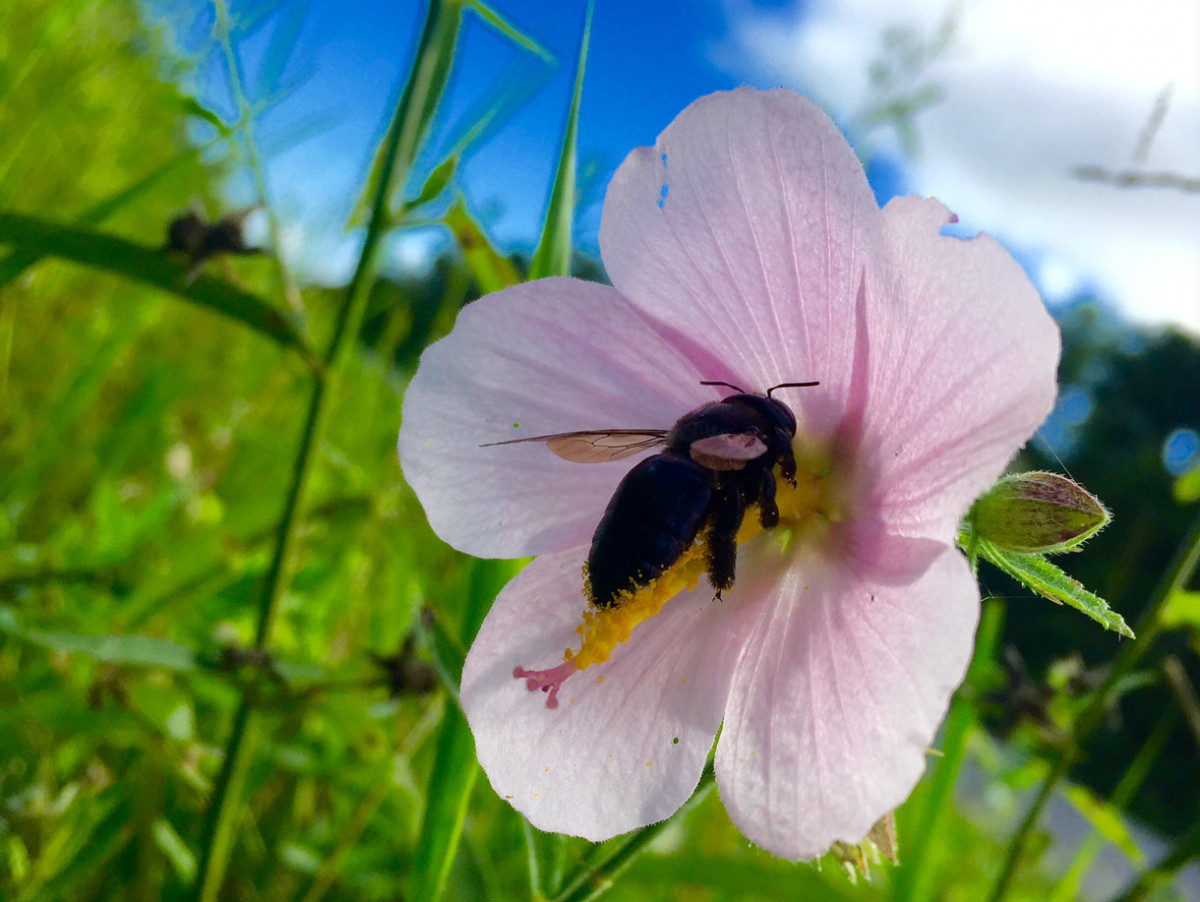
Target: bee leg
[(768, 510), (726, 511), (787, 457)]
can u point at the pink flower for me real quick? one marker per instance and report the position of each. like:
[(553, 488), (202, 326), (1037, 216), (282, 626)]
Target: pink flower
[(745, 246)]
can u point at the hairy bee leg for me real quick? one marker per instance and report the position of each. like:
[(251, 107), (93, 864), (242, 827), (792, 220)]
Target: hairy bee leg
[(728, 507), (768, 510), (787, 457)]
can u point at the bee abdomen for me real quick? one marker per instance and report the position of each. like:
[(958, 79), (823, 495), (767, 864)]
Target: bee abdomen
[(654, 515)]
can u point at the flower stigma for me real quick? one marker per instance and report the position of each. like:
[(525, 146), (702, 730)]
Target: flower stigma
[(804, 510)]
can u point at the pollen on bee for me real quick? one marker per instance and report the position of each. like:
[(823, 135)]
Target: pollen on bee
[(604, 628)]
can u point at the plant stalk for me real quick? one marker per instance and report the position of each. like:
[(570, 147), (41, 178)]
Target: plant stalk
[(1148, 627)]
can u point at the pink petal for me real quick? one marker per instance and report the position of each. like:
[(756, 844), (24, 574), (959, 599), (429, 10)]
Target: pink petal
[(961, 358), (629, 739), (552, 356), (840, 686), (759, 246)]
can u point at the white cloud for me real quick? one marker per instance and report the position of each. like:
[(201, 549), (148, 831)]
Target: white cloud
[(1032, 89)]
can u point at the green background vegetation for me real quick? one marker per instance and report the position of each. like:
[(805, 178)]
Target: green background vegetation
[(216, 679)]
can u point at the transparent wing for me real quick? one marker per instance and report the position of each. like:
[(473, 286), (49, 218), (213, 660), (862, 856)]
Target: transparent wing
[(595, 446), (727, 451)]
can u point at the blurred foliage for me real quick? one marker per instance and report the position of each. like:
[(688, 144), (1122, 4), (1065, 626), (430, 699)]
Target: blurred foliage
[(146, 448), (1130, 389)]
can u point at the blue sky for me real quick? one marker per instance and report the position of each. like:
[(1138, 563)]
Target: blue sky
[(1029, 90)]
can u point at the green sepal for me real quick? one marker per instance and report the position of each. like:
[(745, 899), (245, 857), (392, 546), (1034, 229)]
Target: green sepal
[(1035, 572), (1037, 513)]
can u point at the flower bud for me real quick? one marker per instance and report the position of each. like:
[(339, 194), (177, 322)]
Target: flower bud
[(1037, 513), (880, 843)]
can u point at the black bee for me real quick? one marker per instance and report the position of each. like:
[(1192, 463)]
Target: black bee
[(715, 462)]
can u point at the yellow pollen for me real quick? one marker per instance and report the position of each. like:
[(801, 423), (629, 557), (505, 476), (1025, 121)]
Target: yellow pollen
[(603, 629)]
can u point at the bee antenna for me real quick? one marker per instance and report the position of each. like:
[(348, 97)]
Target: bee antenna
[(790, 385), (736, 388)]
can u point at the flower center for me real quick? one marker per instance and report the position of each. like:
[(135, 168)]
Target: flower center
[(804, 509)]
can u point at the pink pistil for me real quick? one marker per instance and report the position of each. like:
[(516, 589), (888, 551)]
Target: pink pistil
[(546, 680)]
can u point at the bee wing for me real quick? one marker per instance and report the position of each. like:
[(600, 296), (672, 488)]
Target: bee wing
[(727, 451), (596, 446)]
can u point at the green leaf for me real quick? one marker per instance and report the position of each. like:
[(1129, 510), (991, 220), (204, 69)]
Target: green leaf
[(143, 651), (435, 184), (1051, 582), (1105, 819), (491, 269), (447, 653), (1182, 610), (553, 254), (151, 266), (510, 31), (193, 107)]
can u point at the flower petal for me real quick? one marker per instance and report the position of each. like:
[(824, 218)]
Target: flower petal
[(628, 742), (841, 684), (544, 357), (961, 358), (759, 243)]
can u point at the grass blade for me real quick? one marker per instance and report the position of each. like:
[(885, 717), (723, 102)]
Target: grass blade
[(553, 255), (455, 768), (151, 266), (425, 85), (510, 31), (453, 778)]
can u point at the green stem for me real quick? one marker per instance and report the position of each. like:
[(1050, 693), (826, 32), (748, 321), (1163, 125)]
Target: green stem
[(216, 840), (1147, 630), (237, 82), (531, 855), (597, 879)]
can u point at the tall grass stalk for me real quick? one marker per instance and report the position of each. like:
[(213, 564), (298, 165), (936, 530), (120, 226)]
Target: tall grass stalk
[(401, 142)]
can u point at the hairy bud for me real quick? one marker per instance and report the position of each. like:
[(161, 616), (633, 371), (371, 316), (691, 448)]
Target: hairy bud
[(1037, 513)]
